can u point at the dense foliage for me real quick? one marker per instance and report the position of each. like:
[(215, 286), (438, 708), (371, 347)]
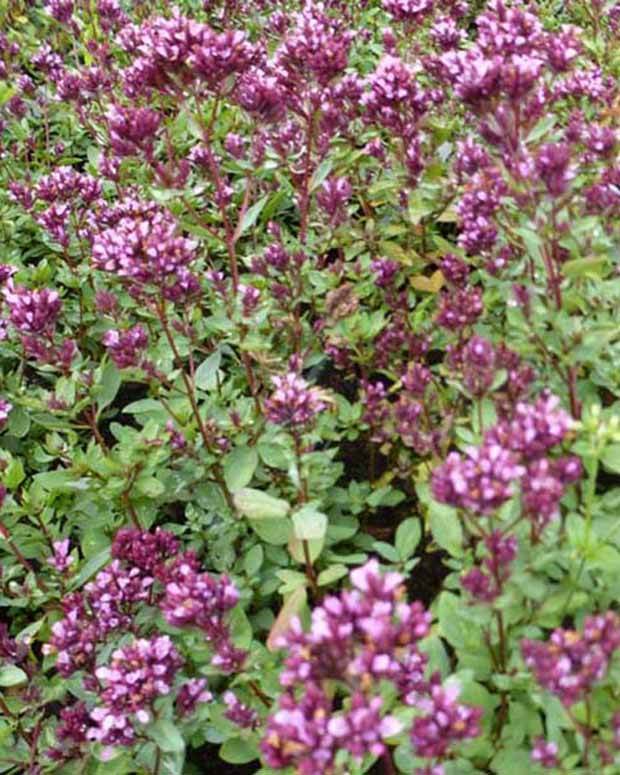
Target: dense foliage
[(310, 387)]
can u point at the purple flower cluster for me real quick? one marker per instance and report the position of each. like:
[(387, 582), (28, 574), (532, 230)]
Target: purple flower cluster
[(126, 347), (239, 713), (480, 481), (135, 677), (132, 130), (394, 100), (31, 311), (513, 455), (293, 402), (545, 753), (332, 198), (143, 549), (180, 52), (195, 599), (191, 694), (358, 639), (71, 732), (142, 562), (571, 662), (460, 308), (146, 568), (409, 10), (146, 250), (486, 583), (445, 722)]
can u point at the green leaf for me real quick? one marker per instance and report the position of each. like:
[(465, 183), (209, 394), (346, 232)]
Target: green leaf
[(14, 474), (408, 537), (239, 467), (238, 750), (253, 560), (19, 423), (449, 621), (331, 574), (387, 551), (251, 215), (89, 569), (272, 531), (240, 628), (10, 675), (150, 486), (309, 523), (108, 386), (320, 174), (446, 528), (590, 266), (257, 505), (205, 377), (512, 760), (167, 736), (611, 458)]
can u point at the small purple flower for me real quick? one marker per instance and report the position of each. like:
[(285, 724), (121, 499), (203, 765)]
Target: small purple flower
[(460, 309), (446, 722), (144, 549), (5, 410), (572, 662), (32, 312), (192, 693), (239, 713), (132, 129), (61, 560), (135, 676), (293, 402), (361, 729), (545, 753), (61, 10), (71, 732), (126, 347), (481, 481), (332, 198), (553, 164), (385, 270), (534, 428), (408, 10)]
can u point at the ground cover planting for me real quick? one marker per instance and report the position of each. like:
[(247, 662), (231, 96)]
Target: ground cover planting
[(309, 387)]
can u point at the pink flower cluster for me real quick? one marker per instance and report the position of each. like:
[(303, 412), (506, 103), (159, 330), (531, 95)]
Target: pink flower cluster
[(358, 639), (145, 250), (513, 456), (486, 583), (572, 662), (196, 599), (135, 677), (293, 402), (126, 347), (146, 566), (179, 52)]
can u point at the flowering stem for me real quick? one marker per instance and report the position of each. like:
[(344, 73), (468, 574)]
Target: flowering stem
[(302, 498), (501, 631), (304, 196), (260, 694), (575, 404), (191, 395), (388, 763), (310, 573)]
